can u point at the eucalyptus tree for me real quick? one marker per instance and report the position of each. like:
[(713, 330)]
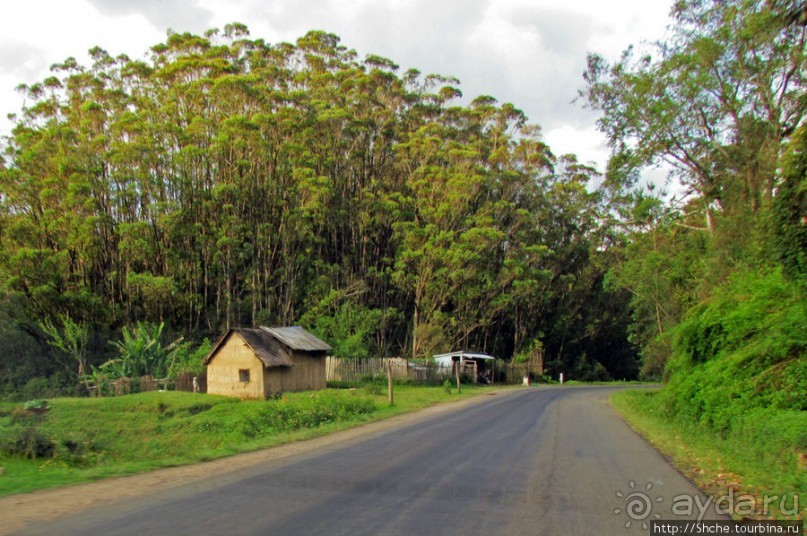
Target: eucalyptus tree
[(227, 181), (715, 101)]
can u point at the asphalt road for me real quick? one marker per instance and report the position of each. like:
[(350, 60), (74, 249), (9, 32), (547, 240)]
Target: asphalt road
[(532, 461)]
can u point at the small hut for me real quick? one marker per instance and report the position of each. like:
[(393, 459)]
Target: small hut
[(262, 362)]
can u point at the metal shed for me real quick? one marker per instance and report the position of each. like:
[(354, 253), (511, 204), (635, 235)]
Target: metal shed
[(476, 364)]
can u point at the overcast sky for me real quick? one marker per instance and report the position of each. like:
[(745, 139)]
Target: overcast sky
[(528, 52)]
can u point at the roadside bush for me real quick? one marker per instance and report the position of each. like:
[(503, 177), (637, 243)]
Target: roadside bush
[(374, 378), (28, 442), (738, 365), (373, 388), (284, 415), (77, 450), (195, 409), (54, 386), (36, 406), (23, 417), (339, 384)]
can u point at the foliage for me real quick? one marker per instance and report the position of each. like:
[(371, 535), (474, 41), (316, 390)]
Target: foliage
[(31, 370), (738, 376), (660, 267), (70, 337), (319, 408), (55, 384), (741, 350), (224, 181), (534, 351), (27, 442), (187, 357), (37, 405), (715, 101), (790, 208), (351, 326), (141, 353)]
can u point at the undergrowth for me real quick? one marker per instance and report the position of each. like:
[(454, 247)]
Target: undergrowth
[(736, 386)]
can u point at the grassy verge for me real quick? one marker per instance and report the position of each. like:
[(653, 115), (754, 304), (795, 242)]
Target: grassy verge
[(79, 440), (723, 467)]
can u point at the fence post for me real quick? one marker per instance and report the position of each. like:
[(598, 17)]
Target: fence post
[(389, 382)]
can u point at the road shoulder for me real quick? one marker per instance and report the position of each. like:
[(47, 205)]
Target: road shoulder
[(43, 506)]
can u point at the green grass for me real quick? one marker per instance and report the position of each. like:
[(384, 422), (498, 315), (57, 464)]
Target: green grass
[(718, 463), (97, 438)]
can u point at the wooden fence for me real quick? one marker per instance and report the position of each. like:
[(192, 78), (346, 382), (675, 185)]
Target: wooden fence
[(125, 386), (184, 382), (338, 369)]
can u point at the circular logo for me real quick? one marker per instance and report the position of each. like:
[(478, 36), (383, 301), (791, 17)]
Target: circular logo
[(638, 505)]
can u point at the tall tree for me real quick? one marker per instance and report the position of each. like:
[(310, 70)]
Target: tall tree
[(715, 101)]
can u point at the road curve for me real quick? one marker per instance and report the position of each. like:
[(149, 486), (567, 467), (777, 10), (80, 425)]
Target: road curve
[(532, 461)]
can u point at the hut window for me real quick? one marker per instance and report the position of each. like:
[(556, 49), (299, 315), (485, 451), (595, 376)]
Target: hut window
[(243, 375)]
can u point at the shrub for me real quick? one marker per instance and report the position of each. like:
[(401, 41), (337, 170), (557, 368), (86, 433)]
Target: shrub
[(77, 451), (341, 384), (186, 358), (21, 416), (51, 387), (36, 406), (372, 389), (284, 415), (738, 360), (28, 442)]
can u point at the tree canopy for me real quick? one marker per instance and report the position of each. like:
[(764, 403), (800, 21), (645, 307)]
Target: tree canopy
[(225, 181)]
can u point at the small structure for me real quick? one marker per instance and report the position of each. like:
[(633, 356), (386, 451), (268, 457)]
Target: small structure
[(263, 362), (477, 365)]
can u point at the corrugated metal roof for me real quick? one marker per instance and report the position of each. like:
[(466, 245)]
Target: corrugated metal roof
[(464, 355), (297, 338)]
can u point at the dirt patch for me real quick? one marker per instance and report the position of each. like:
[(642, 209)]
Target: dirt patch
[(17, 511)]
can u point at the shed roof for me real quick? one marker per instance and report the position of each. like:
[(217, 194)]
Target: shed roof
[(298, 338), (273, 346), (462, 354), (266, 347), (270, 351)]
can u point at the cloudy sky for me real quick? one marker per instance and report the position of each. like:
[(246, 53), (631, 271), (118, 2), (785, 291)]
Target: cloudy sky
[(528, 52)]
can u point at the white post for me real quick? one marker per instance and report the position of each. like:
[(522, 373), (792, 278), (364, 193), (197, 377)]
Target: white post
[(561, 378)]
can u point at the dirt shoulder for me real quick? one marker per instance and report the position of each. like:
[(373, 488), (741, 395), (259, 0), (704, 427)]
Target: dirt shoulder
[(17, 511)]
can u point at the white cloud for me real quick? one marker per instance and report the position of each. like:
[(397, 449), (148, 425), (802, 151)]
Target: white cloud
[(528, 52), (181, 16), (587, 143)]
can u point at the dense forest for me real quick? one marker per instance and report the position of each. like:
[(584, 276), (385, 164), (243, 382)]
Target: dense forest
[(226, 181), (229, 182)]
